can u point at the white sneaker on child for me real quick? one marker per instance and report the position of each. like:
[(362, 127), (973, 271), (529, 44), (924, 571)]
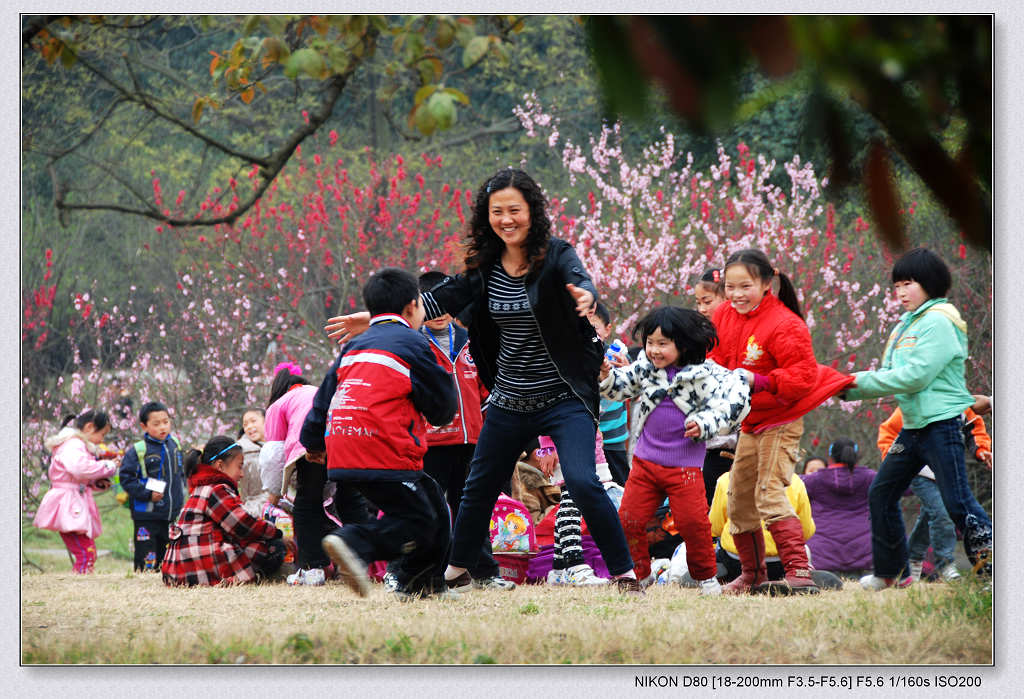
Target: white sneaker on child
[(390, 581), (709, 587), (556, 576), (916, 568), (949, 573), (313, 576), (583, 576)]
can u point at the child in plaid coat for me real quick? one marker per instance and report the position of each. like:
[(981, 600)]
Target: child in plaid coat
[(215, 541)]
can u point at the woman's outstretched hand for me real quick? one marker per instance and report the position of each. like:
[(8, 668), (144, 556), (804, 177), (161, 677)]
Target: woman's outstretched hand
[(584, 299), (343, 328)]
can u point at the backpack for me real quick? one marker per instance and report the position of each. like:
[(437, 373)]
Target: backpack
[(512, 530), (120, 494)]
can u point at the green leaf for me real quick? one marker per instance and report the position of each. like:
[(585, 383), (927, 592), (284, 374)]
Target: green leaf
[(276, 24), (457, 94), (475, 50), (423, 93), (67, 56), (442, 107), (251, 24), (445, 33), (337, 57), (305, 61), (424, 120)]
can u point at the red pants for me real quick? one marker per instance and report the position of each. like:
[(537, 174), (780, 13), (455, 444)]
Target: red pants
[(82, 550), (646, 488)]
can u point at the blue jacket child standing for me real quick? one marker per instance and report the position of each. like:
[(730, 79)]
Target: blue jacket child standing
[(152, 510)]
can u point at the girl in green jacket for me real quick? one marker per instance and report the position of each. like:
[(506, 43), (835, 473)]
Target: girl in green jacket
[(923, 367)]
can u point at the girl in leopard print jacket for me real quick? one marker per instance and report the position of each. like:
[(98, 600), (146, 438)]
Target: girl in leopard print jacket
[(703, 400)]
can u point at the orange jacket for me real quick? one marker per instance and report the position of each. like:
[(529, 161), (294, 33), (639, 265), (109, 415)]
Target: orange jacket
[(890, 429)]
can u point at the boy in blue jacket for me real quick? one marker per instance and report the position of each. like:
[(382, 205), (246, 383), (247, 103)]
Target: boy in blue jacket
[(369, 420), (156, 492)]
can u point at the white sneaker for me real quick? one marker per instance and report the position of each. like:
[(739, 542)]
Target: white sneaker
[(915, 570), (493, 583), (556, 577), (351, 569), (390, 582), (709, 587), (875, 583), (583, 576), (677, 568), (949, 573), (313, 576)]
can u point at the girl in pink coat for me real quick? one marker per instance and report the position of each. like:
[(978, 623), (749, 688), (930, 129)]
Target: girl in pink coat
[(69, 508)]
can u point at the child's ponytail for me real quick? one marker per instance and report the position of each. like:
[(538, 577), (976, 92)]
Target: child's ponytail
[(843, 451), (286, 377), (759, 267), (192, 458), (787, 294), (98, 418)]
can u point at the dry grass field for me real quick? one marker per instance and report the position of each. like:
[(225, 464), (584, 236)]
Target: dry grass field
[(70, 619)]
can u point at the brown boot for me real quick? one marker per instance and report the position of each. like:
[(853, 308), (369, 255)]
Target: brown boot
[(789, 539), (750, 548)]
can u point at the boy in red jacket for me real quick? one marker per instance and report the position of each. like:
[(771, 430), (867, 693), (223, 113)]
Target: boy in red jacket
[(369, 419), (450, 447)]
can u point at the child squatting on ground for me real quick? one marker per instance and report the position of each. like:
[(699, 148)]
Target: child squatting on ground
[(152, 475), (682, 400), (215, 541), (68, 507), (369, 419)]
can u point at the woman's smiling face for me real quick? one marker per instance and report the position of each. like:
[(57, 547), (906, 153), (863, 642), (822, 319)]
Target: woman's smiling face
[(509, 216)]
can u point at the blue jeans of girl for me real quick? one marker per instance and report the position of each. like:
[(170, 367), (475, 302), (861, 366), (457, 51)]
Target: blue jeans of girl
[(502, 439), (933, 525), (940, 445)]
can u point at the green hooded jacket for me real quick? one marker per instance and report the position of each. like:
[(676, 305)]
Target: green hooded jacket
[(922, 366)]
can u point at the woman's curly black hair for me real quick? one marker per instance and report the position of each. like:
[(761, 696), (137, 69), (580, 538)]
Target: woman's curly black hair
[(483, 245)]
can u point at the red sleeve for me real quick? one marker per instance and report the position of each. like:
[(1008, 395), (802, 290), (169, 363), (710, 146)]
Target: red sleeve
[(797, 369), (889, 430), (982, 440), (227, 511)]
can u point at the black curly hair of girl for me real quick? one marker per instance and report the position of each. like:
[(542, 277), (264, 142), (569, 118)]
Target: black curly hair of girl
[(483, 245)]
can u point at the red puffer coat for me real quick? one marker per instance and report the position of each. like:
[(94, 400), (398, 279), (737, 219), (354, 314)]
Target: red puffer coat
[(215, 540), (774, 342)]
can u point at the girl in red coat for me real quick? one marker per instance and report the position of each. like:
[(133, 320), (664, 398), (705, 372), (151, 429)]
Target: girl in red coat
[(766, 335), (215, 541)]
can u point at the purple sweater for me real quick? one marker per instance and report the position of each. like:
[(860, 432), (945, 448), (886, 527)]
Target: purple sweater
[(839, 504), (662, 440)]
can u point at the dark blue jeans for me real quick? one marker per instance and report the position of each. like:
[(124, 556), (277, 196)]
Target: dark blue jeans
[(501, 441), (941, 446)]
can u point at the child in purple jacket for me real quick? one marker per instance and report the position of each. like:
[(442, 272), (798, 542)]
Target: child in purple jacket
[(839, 502)]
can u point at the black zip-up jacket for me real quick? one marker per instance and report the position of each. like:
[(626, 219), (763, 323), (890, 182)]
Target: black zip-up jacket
[(570, 339), (163, 461)]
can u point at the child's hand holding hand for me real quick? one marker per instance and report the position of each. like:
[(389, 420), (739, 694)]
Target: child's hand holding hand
[(342, 328), (692, 430), (104, 483)]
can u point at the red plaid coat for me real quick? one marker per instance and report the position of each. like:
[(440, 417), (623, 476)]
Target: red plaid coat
[(215, 540)]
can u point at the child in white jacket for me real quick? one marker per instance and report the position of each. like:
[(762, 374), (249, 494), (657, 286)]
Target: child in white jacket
[(705, 400)]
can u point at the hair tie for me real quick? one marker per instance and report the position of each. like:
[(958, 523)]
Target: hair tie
[(290, 366), (716, 275)]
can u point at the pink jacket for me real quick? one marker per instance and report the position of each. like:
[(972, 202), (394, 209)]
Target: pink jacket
[(284, 421), (69, 505)]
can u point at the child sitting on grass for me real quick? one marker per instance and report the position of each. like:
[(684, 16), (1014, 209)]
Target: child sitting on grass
[(215, 541)]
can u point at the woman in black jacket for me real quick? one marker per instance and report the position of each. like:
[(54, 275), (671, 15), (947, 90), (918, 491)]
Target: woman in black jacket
[(537, 354)]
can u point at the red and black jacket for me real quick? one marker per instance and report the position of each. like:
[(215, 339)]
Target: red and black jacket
[(470, 391), (370, 414)]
